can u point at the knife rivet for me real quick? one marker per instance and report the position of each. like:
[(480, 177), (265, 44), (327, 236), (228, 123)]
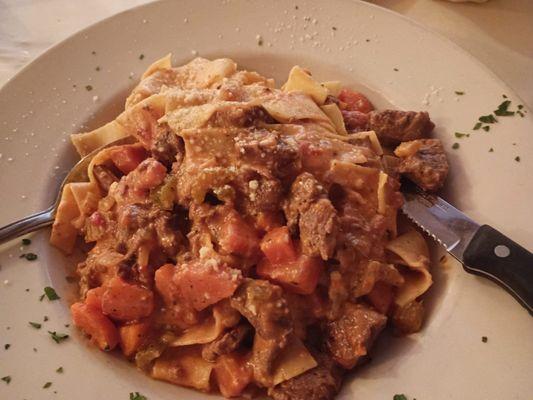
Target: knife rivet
[(502, 251)]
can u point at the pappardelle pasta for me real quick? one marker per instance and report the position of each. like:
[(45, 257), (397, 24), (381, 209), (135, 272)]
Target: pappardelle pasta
[(248, 241)]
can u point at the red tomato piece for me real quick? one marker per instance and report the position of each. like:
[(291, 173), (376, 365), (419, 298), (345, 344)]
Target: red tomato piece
[(128, 157), (233, 374), (202, 283), (149, 174), (299, 276), (124, 301), (381, 297), (278, 246), (355, 101), (95, 324), (237, 237)]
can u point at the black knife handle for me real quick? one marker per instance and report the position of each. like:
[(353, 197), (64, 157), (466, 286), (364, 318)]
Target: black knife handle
[(497, 257)]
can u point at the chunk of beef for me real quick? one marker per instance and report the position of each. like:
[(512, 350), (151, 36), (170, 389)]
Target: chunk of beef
[(226, 343), (263, 304), (241, 116), (355, 121), (167, 147), (320, 383), (104, 176), (424, 162), (309, 208), (393, 126), (352, 334)]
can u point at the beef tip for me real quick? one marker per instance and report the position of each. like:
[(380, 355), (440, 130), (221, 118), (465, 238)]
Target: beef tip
[(226, 343), (391, 166), (320, 383), (394, 126), (424, 162), (263, 304), (355, 121), (232, 116), (104, 176), (309, 209), (352, 334), (167, 147)]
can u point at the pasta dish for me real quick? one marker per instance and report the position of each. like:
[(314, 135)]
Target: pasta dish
[(247, 239)]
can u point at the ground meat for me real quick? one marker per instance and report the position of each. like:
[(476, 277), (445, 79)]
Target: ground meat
[(320, 383), (394, 126), (424, 162), (104, 176), (226, 343), (352, 334), (309, 209), (167, 147), (232, 116), (408, 319)]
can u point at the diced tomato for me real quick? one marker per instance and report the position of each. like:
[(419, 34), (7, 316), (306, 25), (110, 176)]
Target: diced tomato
[(149, 174), (165, 285), (381, 297), (355, 101), (126, 302), (233, 374), (299, 276), (94, 323), (202, 283), (278, 246), (237, 237), (128, 157), (132, 337), (94, 298)]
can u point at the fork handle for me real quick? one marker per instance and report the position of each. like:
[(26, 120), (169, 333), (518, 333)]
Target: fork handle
[(26, 225)]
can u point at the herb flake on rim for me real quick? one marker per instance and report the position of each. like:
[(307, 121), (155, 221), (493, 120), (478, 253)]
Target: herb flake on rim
[(461, 135), (36, 325), (6, 379), (459, 93), (486, 128), (503, 109), (47, 385), (59, 370), (517, 158), (488, 119), (26, 242), (484, 339), (141, 56), (477, 126), (491, 150), (29, 256), (137, 396), (455, 146), (51, 293), (7, 346), (88, 88), (58, 337), (399, 397)]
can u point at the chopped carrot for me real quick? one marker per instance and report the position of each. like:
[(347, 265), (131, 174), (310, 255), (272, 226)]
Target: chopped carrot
[(94, 323), (278, 246), (237, 237), (233, 374), (132, 337), (165, 285), (124, 301), (94, 298)]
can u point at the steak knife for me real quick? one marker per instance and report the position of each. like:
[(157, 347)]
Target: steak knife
[(481, 249)]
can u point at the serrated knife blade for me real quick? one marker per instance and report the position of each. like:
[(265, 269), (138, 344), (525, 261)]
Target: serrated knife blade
[(481, 249)]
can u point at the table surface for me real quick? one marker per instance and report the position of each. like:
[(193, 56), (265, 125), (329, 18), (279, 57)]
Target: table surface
[(499, 33)]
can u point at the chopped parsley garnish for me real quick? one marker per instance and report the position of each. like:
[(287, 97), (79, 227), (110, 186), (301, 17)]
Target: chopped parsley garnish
[(517, 158), (93, 52), (477, 126), (51, 293), (35, 350), (45, 318), (459, 93), (58, 337), (296, 7), (367, 40), (260, 41), (399, 397), (141, 56), (26, 242), (396, 69), (47, 385), (27, 290), (7, 379), (36, 325), (520, 113), (488, 119), (503, 109), (484, 339), (41, 297), (59, 370), (491, 150), (486, 128), (461, 135), (97, 68), (137, 396), (455, 146), (334, 28), (504, 96), (7, 346), (88, 88), (29, 256), (520, 106)]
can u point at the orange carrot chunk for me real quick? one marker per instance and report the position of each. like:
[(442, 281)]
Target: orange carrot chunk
[(278, 246), (132, 337), (96, 325), (232, 374), (237, 237), (124, 301)]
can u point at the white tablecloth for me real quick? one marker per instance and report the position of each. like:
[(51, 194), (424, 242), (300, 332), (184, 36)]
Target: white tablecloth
[(499, 33)]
